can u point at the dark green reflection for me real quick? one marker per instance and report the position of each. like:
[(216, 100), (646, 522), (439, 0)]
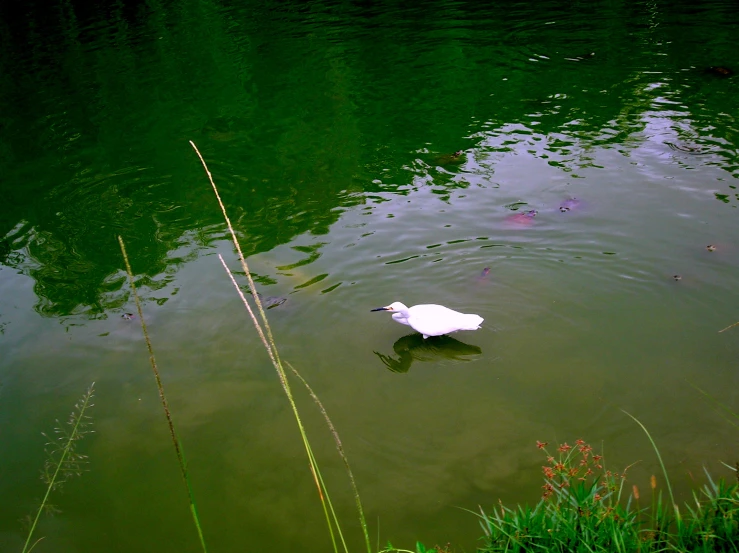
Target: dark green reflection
[(435, 348), (301, 109)]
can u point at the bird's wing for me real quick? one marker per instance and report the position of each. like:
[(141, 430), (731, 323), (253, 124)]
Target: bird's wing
[(435, 320), (432, 320)]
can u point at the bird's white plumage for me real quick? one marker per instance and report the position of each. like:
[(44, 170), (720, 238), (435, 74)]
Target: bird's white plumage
[(433, 320)]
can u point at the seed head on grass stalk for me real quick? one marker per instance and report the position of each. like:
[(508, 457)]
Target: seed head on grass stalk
[(269, 344), (581, 509), (62, 461), (265, 335), (331, 519), (165, 405)]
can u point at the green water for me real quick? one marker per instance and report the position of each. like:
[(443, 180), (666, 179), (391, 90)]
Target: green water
[(325, 124)]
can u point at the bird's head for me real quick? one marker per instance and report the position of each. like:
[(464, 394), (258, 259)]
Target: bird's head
[(393, 307)]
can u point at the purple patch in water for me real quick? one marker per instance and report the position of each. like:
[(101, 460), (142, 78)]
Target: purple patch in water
[(569, 205), (524, 218)]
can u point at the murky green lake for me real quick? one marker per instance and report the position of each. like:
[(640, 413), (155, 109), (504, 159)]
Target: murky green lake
[(331, 129)]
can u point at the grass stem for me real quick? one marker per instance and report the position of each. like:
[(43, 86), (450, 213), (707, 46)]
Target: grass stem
[(68, 462), (265, 334), (165, 405), (659, 457)]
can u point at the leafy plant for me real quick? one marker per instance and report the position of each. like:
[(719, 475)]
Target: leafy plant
[(62, 459)]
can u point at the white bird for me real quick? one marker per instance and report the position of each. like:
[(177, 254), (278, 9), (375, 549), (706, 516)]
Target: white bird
[(432, 320)]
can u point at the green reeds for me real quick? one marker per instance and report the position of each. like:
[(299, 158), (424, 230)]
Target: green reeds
[(265, 334), (160, 387), (584, 508), (62, 460)]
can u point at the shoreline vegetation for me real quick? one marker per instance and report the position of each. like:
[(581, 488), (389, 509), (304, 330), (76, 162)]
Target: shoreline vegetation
[(585, 506)]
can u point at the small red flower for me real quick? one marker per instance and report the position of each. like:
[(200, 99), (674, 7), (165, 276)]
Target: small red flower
[(564, 448), (597, 497), (597, 458), (579, 442), (541, 445), (559, 467)]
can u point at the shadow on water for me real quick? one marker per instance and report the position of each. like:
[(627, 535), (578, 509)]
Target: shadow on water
[(413, 347)]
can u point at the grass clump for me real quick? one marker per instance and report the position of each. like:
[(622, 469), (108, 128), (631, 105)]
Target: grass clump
[(582, 509), (587, 508)]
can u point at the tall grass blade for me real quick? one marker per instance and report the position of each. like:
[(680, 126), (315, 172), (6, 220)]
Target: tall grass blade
[(165, 405), (63, 462), (340, 447), (322, 492), (265, 334), (718, 406), (659, 457)]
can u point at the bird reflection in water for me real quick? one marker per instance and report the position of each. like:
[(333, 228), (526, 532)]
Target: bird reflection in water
[(414, 347)]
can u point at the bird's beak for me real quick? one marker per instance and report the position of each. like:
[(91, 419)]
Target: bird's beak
[(382, 309)]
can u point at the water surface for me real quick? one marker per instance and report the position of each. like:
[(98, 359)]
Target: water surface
[(331, 130)]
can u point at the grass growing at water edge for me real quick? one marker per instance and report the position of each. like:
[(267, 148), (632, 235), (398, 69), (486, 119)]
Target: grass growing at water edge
[(586, 507), (62, 459)]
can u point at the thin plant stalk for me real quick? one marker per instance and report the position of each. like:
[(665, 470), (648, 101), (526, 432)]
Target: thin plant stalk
[(659, 457), (165, 405), (271, 347), (67, 452), (340, 447), (318, 480), (242, 259), (718, 405), (728, 327)]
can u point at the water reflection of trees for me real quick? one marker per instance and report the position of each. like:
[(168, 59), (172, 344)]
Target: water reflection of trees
[(300, 111)]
